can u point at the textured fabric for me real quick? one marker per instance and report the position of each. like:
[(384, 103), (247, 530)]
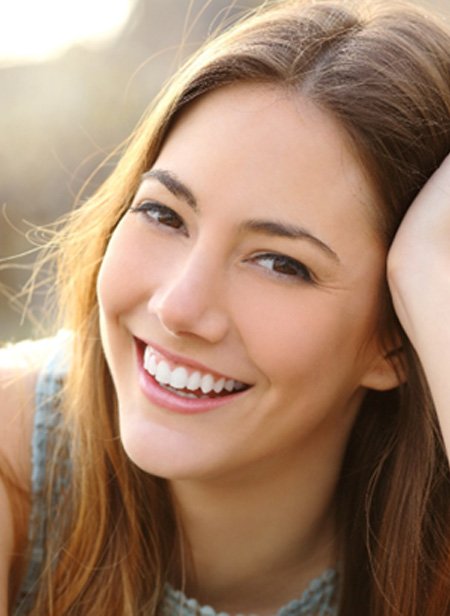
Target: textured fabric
[(317, 600), (46, 419)]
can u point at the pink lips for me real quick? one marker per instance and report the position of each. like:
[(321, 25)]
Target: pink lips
[(171, 401)]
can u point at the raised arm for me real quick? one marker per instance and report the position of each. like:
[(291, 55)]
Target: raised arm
[(419, 279)]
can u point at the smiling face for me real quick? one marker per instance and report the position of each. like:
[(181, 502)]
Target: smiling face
[(239, 296)]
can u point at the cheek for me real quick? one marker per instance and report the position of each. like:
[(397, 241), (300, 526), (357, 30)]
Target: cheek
[(135, 263), (313, 336), (120, 278)]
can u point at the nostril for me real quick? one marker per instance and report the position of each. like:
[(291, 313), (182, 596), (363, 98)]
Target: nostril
[(196, 312)]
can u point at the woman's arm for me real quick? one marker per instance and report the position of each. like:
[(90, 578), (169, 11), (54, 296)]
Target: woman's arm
[(6, 546), (419, 279)]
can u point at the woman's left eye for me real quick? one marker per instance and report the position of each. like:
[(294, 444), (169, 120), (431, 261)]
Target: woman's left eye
[(284, 266), (160, 214)]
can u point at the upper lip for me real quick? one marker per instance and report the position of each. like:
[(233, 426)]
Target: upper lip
[(179, 359)]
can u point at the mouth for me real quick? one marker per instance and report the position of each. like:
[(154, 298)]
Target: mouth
[(186, 380)]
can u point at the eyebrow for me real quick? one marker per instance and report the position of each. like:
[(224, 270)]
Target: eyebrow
[(173, 185), (271, 228), (276, 228)]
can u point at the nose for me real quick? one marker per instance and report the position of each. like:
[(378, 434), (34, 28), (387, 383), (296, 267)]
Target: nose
[(190, 300)]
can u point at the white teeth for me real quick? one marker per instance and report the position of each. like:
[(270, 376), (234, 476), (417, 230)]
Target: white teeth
[(219, 385), (179, 377), (207, 384), (150, 361), (229, 385), (194, 381), (187, 394), (163, 373)]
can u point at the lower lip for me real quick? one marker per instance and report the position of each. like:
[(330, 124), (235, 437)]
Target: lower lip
[(165, 398)]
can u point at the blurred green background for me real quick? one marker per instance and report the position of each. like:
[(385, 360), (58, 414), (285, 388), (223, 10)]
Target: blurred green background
[(62, 112)]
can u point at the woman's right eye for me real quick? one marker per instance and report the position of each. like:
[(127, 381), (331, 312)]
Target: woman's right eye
[(160, 214)]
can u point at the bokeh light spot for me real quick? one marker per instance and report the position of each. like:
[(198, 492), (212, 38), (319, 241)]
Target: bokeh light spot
[(38, 30)]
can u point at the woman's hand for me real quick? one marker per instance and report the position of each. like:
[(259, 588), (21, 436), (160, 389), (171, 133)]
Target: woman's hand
[(419, 278)]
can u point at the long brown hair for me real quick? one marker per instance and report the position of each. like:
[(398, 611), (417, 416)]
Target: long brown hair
[(383, 73)]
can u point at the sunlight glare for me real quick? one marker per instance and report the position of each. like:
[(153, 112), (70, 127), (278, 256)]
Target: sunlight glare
[(37, 30)]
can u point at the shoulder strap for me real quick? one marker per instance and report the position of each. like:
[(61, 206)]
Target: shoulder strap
[(46, 419)]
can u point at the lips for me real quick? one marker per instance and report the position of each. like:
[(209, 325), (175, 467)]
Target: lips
[(183, 385), (186, 380)]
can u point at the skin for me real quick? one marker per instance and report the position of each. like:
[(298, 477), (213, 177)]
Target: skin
[(209, 296), (419, 280), (204, 291)]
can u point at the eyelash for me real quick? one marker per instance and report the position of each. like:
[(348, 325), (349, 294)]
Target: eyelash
[(161, 215), (292, 268)]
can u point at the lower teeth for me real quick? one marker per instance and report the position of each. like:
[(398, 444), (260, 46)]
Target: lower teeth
[(183, 394)]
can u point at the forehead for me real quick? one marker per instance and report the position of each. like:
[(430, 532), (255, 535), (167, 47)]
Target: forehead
[(271, 151)]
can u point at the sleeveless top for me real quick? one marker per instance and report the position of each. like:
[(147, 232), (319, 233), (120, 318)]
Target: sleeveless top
[(319, 598)]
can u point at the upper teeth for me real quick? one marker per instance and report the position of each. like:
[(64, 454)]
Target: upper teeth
[(182, 377)]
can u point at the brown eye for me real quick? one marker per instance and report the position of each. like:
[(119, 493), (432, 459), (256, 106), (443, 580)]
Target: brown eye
[(284, 266), (160, 214)]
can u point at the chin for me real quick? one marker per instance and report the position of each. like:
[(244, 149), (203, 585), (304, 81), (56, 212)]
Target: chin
[(164, 452)]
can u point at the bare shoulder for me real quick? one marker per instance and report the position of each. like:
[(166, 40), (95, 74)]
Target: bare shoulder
[(19, 368)]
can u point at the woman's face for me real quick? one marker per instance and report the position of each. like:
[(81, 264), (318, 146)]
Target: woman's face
[(248, 262)]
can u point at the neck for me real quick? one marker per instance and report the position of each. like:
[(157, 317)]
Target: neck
[(255, 542)]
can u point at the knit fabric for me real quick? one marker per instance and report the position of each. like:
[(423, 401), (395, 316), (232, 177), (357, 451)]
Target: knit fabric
[(317, 600)]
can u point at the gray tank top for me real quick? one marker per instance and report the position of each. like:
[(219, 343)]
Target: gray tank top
[(46, 419)]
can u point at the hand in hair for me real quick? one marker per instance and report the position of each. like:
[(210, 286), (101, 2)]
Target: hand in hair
[(419, 279)]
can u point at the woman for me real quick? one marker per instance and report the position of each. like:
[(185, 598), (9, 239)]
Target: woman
[(238, 415)]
